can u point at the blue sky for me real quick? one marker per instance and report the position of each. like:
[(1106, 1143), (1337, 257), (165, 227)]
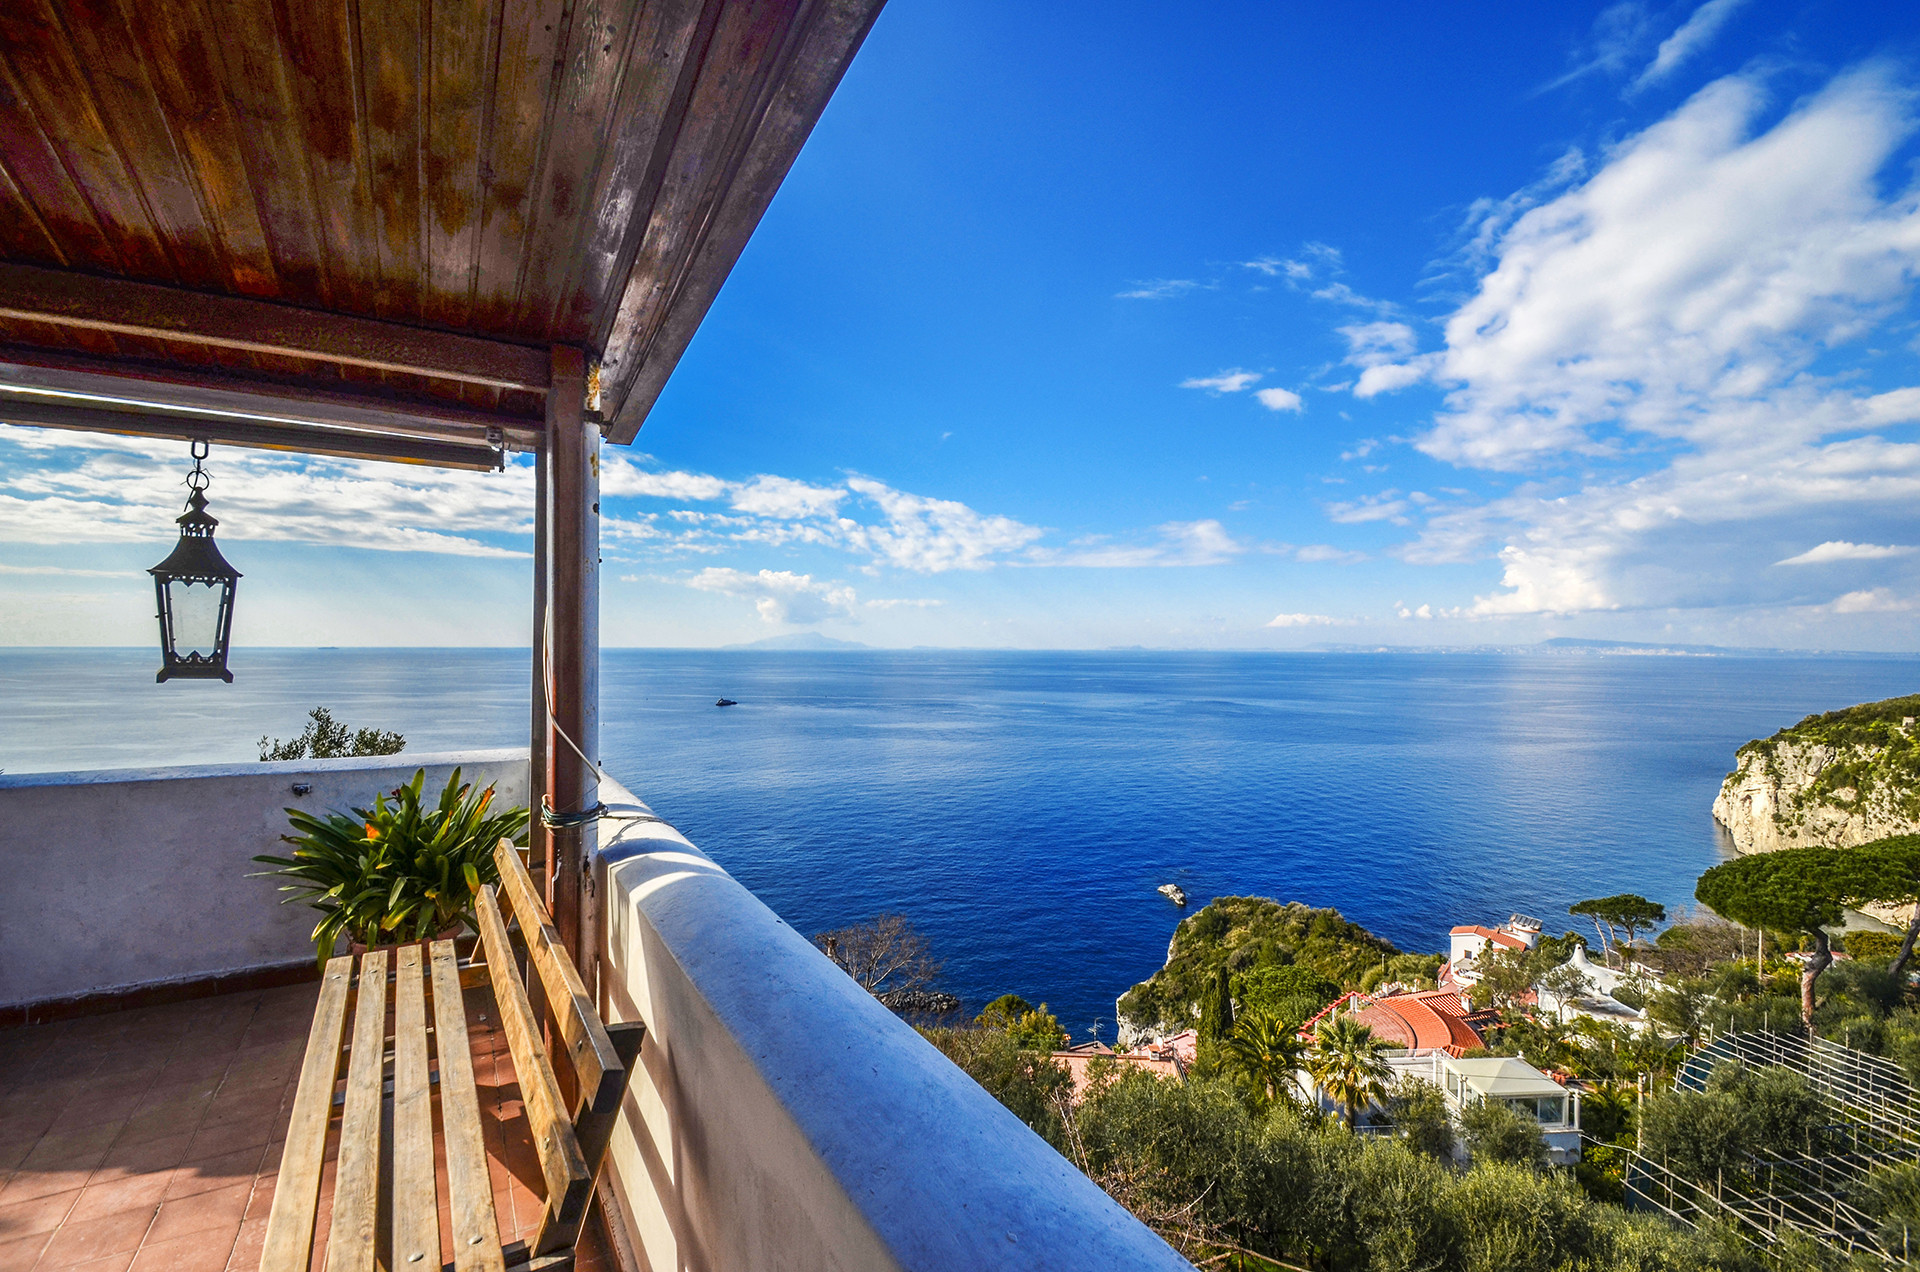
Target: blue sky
[(1253, 326)]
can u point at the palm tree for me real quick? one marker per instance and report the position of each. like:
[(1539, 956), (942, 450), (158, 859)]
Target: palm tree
[(1267, 1049), (1345, 1060)]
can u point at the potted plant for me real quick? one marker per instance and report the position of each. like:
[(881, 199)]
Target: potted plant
[(401, 871)]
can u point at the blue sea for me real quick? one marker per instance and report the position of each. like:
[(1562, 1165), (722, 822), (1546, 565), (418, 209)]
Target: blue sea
[(1021, 808)]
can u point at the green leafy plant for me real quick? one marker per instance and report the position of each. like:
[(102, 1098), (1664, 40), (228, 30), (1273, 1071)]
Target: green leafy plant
[(400, 871)]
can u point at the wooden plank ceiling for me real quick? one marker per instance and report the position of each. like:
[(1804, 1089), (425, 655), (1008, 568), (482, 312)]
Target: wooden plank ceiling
[(521, 173)]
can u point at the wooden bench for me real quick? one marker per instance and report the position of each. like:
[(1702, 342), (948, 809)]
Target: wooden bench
[(386, 1212)]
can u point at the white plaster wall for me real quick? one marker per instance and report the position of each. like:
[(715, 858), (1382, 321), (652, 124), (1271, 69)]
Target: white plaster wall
[(114, 878), (782, 1119)]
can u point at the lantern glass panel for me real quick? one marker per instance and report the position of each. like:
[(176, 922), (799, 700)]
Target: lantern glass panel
[(195, 606)]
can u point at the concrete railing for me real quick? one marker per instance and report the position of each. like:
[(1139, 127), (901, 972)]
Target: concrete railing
[(130, 879), (783, 1119)]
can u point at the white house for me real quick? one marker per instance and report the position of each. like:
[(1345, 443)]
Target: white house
[(1520, 1087), (1594, 1000), (1468, 941)]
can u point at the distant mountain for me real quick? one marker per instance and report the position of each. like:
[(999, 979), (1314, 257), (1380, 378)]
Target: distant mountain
[(1572, 645), (801, 641)]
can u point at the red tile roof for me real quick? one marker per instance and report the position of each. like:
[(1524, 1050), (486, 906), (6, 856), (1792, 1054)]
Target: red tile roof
[(1421, 1021), (1498, 938)]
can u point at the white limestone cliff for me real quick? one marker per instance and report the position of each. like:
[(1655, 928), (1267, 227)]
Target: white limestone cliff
[(1777, 798)]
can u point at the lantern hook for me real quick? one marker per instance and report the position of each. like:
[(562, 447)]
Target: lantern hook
[(198, 479)]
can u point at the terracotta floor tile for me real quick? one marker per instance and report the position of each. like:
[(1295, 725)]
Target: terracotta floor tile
[(219, 1141), (263, 1104), (201, 1212), (195, 1252), (135, 1192), (83, 1147), (20, 1253), (80, 1242), (245, 1256), (89, 1111), (260, 1203), (29, 1126), (258, 1077), (141, 1157), (29, 1185), (41, 1214), (13, 1152), (110, 1263), (238, 1167), (132, 1065)]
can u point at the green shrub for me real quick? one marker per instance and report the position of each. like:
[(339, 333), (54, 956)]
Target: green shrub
[(1495, 1133), (1418, 1112), (1872, 947)]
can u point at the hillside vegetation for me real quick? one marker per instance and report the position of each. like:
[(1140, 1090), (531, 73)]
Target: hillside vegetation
[(1254, 937)]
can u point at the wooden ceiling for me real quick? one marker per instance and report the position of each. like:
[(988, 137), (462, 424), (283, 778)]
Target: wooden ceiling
[(426, 194)]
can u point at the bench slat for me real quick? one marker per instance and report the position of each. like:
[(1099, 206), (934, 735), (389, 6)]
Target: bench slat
[(569, 1183), (589, 1048), (415, 1242), (476, 1231), (353, 1234), (288, 1246)]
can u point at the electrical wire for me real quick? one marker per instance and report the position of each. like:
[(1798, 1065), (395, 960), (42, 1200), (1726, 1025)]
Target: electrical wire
[(550, 817)]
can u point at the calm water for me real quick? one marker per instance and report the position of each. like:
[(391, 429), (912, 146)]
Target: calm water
[(1021, 808)]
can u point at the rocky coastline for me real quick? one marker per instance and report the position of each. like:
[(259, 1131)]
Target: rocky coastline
[(1834, 781)]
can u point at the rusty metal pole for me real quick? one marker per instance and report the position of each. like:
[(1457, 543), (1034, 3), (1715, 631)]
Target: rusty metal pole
[(539, 732), (573, 597)]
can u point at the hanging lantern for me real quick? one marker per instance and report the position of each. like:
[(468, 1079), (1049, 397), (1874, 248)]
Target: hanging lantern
[(194, 589)]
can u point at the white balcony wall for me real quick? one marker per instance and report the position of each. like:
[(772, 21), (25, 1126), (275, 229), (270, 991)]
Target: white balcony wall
[(783, 1119), (122, 878)]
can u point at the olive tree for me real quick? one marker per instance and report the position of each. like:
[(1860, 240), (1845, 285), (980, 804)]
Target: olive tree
[(1793, 890)]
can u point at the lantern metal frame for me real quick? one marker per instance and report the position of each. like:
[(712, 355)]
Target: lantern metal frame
[(195, 559)]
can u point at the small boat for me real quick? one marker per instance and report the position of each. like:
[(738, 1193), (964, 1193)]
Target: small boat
[(1172, 892), (726, 702)]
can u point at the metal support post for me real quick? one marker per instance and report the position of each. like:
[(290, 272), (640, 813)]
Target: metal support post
[(573, 597)]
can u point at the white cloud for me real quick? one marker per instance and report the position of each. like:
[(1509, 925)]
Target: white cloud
[(1694, 34), (1690, 326), (1370, 344), (1382, 350), (1341, 294), (1158, 289), (1306, 620), (1392, 378), (932, 535), (768, 496), (1620, 33), (897, 602), (1279, 400), (1315, 553), (619, 475), (1385, 506), (1841, 550), (1877, 600), (1179, 543), (99, 489), (1425, 611), (63, 571), (780, 596), (1700, 268), (1223, 382), (1278, 267)]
